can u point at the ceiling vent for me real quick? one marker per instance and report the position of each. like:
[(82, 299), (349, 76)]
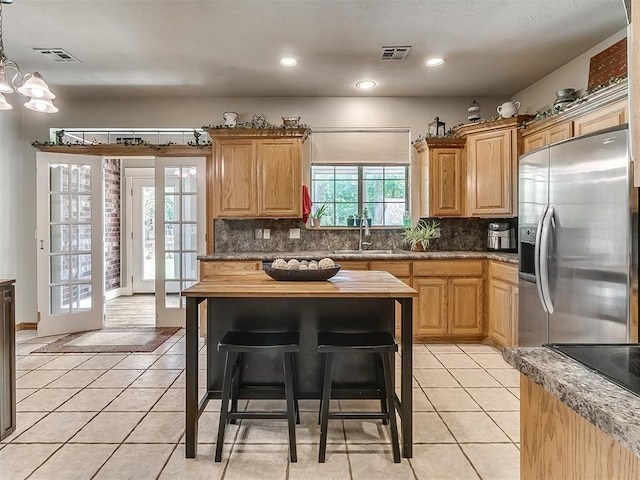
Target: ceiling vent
[(394, 53), (57, 55)]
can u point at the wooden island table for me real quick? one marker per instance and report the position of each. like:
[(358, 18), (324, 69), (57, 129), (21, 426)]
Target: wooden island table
[(352, 301)]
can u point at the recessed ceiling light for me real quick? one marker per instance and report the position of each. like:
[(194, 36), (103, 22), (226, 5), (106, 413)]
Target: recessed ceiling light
[(288, 62), (366, 84), (435, 61)]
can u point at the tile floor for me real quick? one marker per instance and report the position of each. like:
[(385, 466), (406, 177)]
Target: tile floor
[(120, 416)]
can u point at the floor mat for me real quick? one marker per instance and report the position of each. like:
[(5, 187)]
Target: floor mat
[(111, 340)]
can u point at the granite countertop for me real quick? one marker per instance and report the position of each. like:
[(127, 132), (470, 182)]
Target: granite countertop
[(609, 407), (355, 255)]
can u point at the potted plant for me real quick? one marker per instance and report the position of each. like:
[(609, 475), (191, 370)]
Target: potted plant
[(318, 213), (418, 236), (350, 221)]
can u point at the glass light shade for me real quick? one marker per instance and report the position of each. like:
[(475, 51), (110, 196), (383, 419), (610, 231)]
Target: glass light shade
[(3, 103), (36, 87), (5, 87), (41, 105)]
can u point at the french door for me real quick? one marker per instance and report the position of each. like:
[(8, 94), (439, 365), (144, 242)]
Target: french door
[(70, 246), (180, 232), (143, 235)]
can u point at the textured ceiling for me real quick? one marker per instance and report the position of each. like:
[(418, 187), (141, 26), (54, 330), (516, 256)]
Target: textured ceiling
[(232, 48)]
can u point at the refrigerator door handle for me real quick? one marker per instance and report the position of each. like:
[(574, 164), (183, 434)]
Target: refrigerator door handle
[(544, 258), (536, 259)]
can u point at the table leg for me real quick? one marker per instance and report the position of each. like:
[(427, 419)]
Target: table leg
[(191, 407), (406, 384)]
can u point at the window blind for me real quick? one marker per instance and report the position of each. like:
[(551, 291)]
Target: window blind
[(336, 147)]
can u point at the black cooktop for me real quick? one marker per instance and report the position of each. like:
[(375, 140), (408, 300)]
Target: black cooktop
[(620, 363)]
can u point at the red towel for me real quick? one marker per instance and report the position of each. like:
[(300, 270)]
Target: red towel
[(306, 203)]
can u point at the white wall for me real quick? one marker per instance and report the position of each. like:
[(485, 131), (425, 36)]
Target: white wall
[(575, 74), (10, 188)]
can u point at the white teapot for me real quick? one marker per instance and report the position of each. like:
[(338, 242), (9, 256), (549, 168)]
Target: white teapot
[(508, 109)]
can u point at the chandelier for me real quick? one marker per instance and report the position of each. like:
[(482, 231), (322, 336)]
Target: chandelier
[(30, 85)]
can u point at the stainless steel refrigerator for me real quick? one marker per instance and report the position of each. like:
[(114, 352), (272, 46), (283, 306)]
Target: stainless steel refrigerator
[(578, 238)]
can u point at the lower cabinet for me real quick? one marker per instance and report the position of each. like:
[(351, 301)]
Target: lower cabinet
[(450, 299), (7, 360), (502, 309)]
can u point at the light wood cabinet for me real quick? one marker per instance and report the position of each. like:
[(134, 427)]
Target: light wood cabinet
[(502, 308), (257, 173), (443, 159), (450, 299), (547, 136), (490, 185), (609, 116)]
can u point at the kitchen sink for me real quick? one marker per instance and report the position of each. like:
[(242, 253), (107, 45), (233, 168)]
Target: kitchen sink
[(363, 252)]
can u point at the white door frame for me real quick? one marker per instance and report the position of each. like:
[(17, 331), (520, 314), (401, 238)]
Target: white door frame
[(170, 315), (69, 244)]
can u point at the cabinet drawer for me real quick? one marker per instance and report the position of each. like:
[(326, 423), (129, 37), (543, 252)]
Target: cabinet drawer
[(228, 267), (447, 268), (352, 265), (396, 268), (506, 272)]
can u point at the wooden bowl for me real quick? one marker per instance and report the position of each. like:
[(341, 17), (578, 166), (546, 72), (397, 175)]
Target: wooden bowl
[(300, 275)]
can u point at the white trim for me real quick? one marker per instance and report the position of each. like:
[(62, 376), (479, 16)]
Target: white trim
[(111, 294)]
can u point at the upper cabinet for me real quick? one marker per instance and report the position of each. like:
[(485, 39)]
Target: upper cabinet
[(602, 109), (257, 173), (492, 150), (443, 158)]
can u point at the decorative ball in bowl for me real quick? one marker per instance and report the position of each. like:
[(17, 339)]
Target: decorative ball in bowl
[(301, 271)]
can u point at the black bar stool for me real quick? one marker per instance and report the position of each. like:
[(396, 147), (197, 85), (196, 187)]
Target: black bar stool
[(236, 343), (384, 346)]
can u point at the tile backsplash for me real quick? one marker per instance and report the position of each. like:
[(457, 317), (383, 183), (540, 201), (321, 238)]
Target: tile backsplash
[(456, 234)]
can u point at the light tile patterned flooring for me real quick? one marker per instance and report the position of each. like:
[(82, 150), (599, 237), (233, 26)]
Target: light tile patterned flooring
[(118, 416)]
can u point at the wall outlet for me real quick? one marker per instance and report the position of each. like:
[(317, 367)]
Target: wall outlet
[(294, 233), (258, 233), (266, 233)]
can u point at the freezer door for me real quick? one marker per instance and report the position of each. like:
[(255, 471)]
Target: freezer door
[(533, 191), (589, 243)]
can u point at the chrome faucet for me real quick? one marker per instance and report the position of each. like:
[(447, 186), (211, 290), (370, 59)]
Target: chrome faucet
[(364, 242)]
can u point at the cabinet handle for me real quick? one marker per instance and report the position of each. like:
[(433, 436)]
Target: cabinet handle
[(41, 244)]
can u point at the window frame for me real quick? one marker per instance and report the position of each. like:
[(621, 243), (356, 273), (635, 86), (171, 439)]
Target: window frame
[(360, 202)]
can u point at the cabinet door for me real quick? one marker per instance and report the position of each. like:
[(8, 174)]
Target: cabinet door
[(559, 133), (446, 174), (489, 179), (279, 178), (430, 310), (605, 117), (500, 311), (536, 140), (353, 264), (7, 362), (465, 296), (514, 316), (235, 179)]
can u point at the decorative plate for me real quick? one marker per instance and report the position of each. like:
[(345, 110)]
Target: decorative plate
[(300, 275)]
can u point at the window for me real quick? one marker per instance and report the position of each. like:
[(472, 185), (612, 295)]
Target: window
[(379, 191)]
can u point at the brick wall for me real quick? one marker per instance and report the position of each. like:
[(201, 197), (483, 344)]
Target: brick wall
[(609, 63), (112, 223)]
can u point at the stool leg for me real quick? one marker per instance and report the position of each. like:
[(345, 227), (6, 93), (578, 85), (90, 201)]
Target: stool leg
[(224, 407), (322, 367), (235, 384), (388, 377), (295, 387), (381, 385), (326, 400), (289, 393)]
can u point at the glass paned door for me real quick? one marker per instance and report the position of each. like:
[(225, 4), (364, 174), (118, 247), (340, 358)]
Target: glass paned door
[(69, 243), (180, 233), (144, 235)]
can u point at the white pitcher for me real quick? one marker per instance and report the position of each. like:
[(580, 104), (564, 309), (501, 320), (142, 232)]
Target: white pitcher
[(508, 109)]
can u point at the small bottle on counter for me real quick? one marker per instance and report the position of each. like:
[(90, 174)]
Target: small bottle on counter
[(406, 219)]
